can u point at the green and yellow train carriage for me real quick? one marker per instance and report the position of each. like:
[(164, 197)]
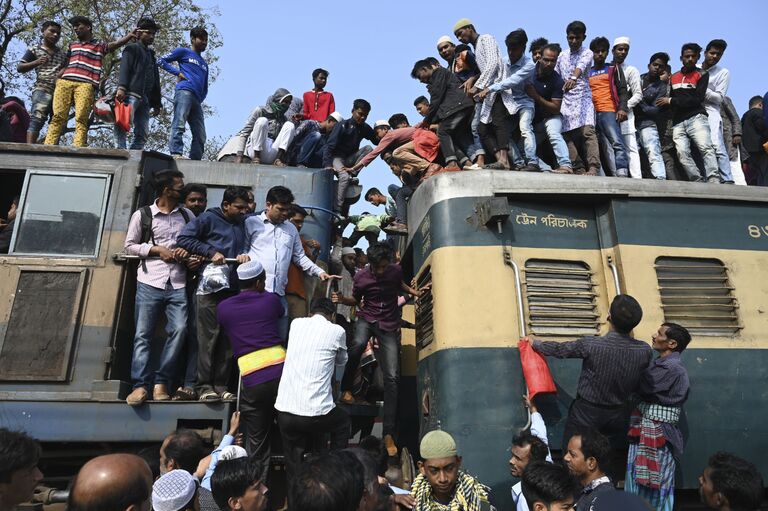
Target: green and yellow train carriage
[(511, 254)]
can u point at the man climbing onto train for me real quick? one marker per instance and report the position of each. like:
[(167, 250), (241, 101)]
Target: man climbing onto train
[(528, 448), (610, 372)]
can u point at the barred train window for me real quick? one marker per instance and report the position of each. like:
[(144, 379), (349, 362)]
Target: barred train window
[(561, 299), (425, 333), (697, 294)]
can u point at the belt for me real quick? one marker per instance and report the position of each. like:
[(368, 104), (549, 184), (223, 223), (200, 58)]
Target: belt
[(260, 359)]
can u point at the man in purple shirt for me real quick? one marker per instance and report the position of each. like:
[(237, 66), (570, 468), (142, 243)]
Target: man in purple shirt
[(250, 320), (162, 279), (375, 291)]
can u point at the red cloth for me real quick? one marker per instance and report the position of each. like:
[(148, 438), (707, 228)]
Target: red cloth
[(426, 144), (535, 370), (318, 105), (18, 116)]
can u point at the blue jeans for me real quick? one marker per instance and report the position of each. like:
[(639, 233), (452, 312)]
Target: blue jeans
[(476, 148), (553, 127), (721, 152), (525, 121), (401, 194), (187, 109), (42, 103), (284, 322), (695, 129), (648, 138), (150, 302), (609, 130), (140, 121), (311, 153)]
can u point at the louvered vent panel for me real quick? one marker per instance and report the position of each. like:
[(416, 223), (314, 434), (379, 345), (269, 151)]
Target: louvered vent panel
[(425, 332)]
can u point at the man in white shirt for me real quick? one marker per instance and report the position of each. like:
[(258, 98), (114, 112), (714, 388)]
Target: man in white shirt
[(305, 405), (530, 446), (275, 243), (635, 89)]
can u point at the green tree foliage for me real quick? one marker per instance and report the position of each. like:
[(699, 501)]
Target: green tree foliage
[(20, 22)]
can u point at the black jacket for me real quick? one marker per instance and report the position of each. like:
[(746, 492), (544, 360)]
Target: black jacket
[(754, 132), (446, 97), (138, 73)]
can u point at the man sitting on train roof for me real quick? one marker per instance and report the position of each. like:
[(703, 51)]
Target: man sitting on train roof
[(19, 475), (441, 483), (610, 373), (266, 135), (306, 149), (730, 483)]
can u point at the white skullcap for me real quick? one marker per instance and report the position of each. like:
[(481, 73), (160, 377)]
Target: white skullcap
[(173, 491), (381, 124), (621, 40), (444, 39), (348, 251), (232, 452), (337, 116), (249, 270)]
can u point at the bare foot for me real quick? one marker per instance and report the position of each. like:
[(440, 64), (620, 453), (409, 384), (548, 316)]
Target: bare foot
[(278, 163)]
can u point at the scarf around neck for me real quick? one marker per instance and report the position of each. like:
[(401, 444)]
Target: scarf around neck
[(468, 495)]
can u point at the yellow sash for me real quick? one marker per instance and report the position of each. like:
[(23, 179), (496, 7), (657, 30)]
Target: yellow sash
[(260, 359)]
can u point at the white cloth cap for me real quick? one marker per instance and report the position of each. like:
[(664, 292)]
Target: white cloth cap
[(621, 40), (249, 270), (173, 490), (232, 452), (348, 251), (337, 116), (381, 124), (444, 39)]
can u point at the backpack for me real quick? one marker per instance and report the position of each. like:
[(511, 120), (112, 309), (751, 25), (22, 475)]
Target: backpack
[(147, 235)]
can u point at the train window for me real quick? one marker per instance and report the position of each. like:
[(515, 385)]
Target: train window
[(697, 293), (561, 299), (425, 333), (61, 214)]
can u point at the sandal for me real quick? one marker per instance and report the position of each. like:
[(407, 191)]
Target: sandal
[(228, 396), (184, 394), (209, 395)]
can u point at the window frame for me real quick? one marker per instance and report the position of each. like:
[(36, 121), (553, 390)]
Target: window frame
[(21, 209)]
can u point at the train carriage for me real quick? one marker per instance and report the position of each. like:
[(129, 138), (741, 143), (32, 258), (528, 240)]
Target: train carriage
[(510, 254)]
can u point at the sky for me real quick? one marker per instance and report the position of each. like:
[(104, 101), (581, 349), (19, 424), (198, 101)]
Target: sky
[(370, 48)]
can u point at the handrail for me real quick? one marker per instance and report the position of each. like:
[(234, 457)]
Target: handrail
[(521, 314), (130, 257), (615, 274)]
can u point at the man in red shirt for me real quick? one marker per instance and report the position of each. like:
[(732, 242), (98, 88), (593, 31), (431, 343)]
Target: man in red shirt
[(318, 103)]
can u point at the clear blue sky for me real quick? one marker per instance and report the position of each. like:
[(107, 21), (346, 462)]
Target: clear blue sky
[(370, 47)]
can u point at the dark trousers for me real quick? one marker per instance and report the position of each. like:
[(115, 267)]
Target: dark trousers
[(455, 131), (758, 165), (388, 357), (401, 195), (257, 408), (582, 143), (495, 134), (300, 433), (613, 422), (370, 236), (214, 355), (190, 371)]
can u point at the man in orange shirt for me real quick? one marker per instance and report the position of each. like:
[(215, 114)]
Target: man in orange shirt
[(295, 291)]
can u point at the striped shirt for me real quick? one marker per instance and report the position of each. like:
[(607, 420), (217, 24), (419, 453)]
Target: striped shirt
[(611, 367), (315, 347), (84, 61), (46, 73)]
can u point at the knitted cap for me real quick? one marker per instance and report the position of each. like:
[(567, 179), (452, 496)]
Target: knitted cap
[(444, 39), (437, 444), (232, 452), (348, 251), (463, 22), (249, 270), (173, 491), (381, 123), (621, 40), (337, 116)]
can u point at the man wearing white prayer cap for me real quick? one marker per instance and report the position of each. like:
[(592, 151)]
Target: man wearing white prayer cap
[(175, 491), (635, 89)]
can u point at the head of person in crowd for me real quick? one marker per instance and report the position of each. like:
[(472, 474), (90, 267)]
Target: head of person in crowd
[(251, 202), (183, 450), (730, 483), (657, 64), (323, 306), (320, 78), (51, 32), (329, 482), (151, 456), (375, 447), (252, 276), (169, 185), (297, 216), (422, 71), (360, 110), (198, 39), (527, 448), (19, 475), (549, 487), (575, 33), (516, 41), (671, 338), (279, 204), (371, 499), (113, 482), (234, 203), (587, 455), (714, 52), (754, 102), (146, 30), (195, 198), (381, 127), (537, 45), (175, 491), (330, 122), (625, 314), (446, 49), (599, 47), (689, 56), (465, 31), (422, 105), (397, 121), (379, 258), (548, 60), (237, 485), (441, 463), (362, 258), (349, 259), (620, 50), (83, 28), (14, 207), (375, 197)]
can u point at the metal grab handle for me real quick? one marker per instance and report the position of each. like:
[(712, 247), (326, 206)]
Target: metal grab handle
[(615, 272), (521, 313), (130, 257)]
